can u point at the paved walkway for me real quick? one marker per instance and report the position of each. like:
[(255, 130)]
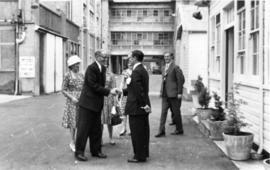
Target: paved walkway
[(31, 137), (4, 98)]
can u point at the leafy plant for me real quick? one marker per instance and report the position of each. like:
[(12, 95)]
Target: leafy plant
[(218, 114), (204, 98), (199, 86), (234, 116)]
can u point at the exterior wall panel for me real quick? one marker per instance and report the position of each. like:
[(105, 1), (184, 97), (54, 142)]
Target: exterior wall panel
[(49, 63)]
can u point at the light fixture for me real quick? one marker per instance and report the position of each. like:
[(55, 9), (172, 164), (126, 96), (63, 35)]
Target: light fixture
[(34, 4), (197, 15), (200, 3)]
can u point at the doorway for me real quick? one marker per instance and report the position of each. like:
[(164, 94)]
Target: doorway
[(229, 61)]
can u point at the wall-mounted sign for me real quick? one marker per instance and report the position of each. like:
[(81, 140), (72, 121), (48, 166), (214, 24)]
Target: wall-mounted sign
[(27, 67)]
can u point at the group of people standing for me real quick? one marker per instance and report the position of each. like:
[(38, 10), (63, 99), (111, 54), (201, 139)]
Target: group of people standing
[(90, 98)]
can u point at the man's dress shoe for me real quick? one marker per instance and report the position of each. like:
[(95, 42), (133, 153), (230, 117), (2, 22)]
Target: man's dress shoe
[(81, 157), (160, 135), (99, 155), (177, 133), (133, 160)]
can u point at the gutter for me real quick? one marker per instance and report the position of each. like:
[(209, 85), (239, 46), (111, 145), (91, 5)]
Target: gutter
[(261, 72), (18, 41)]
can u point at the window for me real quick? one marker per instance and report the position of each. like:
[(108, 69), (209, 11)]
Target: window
[(254, 14), (117, 13), (241, 59), (144, 12), (255, 53), (141, 38), (254, 34), (213, 31), (124, 12), (230, 15), (129, 13), (155, 13), (113, 12), (166, 13)]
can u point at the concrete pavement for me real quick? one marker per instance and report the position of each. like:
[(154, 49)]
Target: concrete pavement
[(4, 98), (31, 137)]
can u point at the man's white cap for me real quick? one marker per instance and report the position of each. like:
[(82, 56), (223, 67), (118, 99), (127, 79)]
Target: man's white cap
[(74, 59)]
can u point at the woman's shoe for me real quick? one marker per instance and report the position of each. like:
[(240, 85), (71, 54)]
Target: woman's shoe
[(123, 133), (72, 146)]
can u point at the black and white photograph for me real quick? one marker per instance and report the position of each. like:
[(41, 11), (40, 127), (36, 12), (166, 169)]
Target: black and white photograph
[(135, 84)]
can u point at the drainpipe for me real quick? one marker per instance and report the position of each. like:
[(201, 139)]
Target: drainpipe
[(18, 41), (261, 72)]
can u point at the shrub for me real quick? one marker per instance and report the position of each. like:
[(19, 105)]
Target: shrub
[(234, 118), (204, 98), (218, 114), (199, 86)]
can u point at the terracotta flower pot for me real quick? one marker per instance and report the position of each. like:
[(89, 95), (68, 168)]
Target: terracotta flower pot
[(216, 129), (204, 114), (195, 99), (238, 147)]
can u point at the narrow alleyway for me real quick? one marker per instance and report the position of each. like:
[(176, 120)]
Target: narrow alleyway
[(31, 137)]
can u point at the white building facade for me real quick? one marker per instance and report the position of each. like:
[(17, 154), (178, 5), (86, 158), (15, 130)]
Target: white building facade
[(239, 54), (191, 42)]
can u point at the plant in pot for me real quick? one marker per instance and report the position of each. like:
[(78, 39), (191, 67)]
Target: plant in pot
[(198, 87), (217, 119), (204, 112), (238, 144)]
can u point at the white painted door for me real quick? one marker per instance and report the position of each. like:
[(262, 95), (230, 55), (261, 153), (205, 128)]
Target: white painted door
[(58, 63), (49, 63), (197, 57)]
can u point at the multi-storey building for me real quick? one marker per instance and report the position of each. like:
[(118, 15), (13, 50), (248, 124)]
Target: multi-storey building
[(86, 14), (36, 39), (136, 24)]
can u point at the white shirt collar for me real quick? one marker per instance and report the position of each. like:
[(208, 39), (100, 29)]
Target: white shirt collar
[(168, 64), (99, 65), (135, 65)]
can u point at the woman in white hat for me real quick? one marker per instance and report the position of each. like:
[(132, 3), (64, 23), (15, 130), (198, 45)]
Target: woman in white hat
[(72, 86)]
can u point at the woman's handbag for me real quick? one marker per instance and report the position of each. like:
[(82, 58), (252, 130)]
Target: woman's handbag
[(115, 116)]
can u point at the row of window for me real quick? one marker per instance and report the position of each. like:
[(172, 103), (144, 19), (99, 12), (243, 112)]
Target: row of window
[(242, 59), (134, 12), (141, 38)]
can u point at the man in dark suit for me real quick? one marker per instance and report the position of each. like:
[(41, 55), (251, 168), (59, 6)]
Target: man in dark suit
[(171, 93), (90, 106), (138, 108)]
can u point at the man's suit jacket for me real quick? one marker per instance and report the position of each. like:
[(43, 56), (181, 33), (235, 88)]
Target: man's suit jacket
[(137, 92), (93, 92), (173, 81)]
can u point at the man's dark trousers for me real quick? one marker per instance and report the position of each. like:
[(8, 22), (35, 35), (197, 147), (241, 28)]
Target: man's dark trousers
[(139, 127), (89, 127), (175, 104)]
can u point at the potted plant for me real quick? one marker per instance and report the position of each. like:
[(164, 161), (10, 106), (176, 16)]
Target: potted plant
[(237, 143), (204, 98), (217, 119), (198, 86)]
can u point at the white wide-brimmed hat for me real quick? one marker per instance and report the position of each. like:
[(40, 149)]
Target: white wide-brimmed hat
[(74, 59)]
